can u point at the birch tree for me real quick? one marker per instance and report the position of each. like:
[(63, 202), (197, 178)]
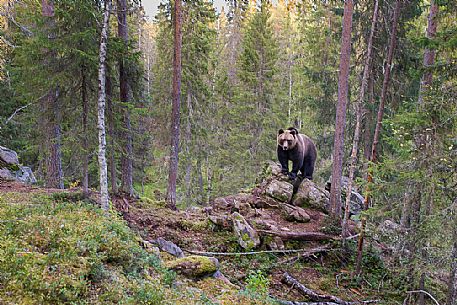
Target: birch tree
[(103, 168)]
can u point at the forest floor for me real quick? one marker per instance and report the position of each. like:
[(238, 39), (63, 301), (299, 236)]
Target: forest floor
[(327, 272)]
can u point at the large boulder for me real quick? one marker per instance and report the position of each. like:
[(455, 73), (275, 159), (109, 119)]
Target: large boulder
[(356, 201), (310, 195), (6, 175), (25, 175), (8, 157), (248, 238), (280, 190), (10, 169), (194, 266), (169, 247), (293, 213)]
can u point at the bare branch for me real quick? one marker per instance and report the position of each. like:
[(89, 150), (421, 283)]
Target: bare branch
[(424, 292)]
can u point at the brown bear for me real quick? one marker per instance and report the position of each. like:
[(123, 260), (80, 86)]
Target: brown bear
[(299, 149)]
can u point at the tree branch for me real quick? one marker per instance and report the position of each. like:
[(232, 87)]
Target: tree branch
[(15, 112), (314, 296), (425, 292)]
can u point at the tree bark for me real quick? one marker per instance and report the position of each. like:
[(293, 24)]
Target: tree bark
[(304, 236), (85, 144), (53, 134), (112, 135), (175, 115), (452, 284), (373, 156), (125, 98), (103, 169), (429, 55), (338, 148), (358, 106)]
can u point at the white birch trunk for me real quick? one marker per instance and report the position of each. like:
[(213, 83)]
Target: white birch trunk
[(103, 168)]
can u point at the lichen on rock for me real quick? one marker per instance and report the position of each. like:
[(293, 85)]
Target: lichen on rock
[(194, 266), (248, 238)]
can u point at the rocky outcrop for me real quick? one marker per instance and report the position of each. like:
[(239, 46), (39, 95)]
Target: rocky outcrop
[(248, 238), (280, 190), (8, 157), (11, 170), (356, 201), (293, 213), (310, 195)]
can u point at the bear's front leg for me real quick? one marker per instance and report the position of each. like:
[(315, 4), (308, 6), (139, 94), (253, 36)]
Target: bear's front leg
[(284, 160), (296, 165)]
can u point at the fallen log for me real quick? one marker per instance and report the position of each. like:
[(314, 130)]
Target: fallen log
[(303, 236), (282, 302), (322, 299), (306, 254), (301, 252)]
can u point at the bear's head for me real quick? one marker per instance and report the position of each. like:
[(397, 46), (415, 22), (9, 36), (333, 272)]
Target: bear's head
[(287, 139)]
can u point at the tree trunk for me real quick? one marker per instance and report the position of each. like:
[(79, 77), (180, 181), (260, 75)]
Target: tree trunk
[(112, 135), (125, 98), (338, 148), (104, 200), (175, 115), (358, 106), (188, 136), (429, 55), (85, 144), (53, 159), (373, 157), (452, 284)]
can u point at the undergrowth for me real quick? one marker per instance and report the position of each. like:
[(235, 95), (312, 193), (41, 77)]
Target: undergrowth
[(57, 249)]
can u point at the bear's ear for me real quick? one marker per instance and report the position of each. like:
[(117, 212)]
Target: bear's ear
[(280, 131), (293, 130)]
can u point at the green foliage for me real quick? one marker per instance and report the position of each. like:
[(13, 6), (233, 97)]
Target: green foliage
[(59, 251), (257, 283)]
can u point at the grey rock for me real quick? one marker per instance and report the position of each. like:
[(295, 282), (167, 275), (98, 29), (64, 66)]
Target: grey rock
[(169, 247), (248, 238), (8, 156), (243, 208), (357, 200), (221, 221), (293, 213), (276, 244), (280, 190), (265, 202), (356, 203), (312, 196), (6, 175), (25, 175)]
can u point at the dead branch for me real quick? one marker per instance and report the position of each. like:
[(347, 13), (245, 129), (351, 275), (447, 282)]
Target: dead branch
[(303, 236), (314, 296), (282, 302), (425, 292), (307, 252)]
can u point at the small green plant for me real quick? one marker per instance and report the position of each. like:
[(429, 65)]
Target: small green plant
[(257, 283), (169, 277)]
